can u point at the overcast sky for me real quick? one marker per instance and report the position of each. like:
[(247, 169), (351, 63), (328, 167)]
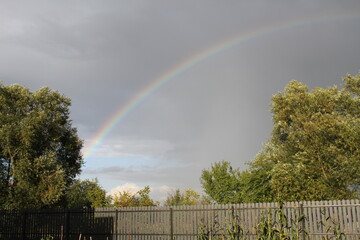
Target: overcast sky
[(103, 53)]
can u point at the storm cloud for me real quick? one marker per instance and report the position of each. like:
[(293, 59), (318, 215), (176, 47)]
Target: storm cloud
[(102, 53)]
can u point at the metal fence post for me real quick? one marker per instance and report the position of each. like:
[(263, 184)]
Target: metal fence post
[(171, 224), (68, 225), (24, 226)]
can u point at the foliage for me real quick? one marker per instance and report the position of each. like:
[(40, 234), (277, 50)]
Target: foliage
[(86, 194), (276, 225), (222, 183), (332, 227), (312, 154), (212, 231), (124, 199), (235, 229), (39, 149), (139, 199), (188, 197), (255, 186), (314, 150), (272, 225)]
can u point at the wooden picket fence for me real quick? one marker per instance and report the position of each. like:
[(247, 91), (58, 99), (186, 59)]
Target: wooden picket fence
[(323, 219)]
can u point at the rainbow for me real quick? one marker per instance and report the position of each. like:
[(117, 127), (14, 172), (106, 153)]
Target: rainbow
[(187, 64)]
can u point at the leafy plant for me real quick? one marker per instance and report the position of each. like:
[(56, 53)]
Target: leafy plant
[(332, 228), (277, 226), (297, 230), (210, 232), (273, 227), (265, 229), (234, 230)]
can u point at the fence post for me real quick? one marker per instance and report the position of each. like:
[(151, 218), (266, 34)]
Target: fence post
[(116, 224), (24, 226), (171, 224), (302, 221), (68, 225)]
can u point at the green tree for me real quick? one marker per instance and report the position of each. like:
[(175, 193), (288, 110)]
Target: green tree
[(314, 150), (188, 197), (124, 199), (222, 183), (39, 149), (255, 186), (140, 199), (86, 194)]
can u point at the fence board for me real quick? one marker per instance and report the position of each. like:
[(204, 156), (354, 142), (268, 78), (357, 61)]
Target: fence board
[(354, 216), (314, 219)]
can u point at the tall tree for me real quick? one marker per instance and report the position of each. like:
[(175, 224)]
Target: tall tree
[(314, 150), (39, 149)]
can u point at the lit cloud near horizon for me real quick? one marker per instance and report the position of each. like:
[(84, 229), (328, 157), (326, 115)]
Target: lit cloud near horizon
[(156, 193)]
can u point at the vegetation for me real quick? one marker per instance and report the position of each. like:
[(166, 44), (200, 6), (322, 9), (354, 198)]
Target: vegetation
[(222, 183), (188, 197), (39, 149), (272, 225), (314, 150), (276, 225), (86, 194), (312, 154), (139, 199)]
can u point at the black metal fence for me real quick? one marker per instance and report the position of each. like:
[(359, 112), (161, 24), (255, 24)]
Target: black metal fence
[(55, 224)]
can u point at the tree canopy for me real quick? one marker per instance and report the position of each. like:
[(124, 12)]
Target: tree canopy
[(39, 149), (187, 197), (222, 183), (313, 152), (140, 199), (86, 194)]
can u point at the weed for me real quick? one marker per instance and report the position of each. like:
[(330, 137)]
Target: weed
[(209, 232), (276, 226), (234, 230), (332, 228)]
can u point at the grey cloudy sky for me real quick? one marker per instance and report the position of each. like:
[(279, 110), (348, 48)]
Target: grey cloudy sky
[(102, 53)]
